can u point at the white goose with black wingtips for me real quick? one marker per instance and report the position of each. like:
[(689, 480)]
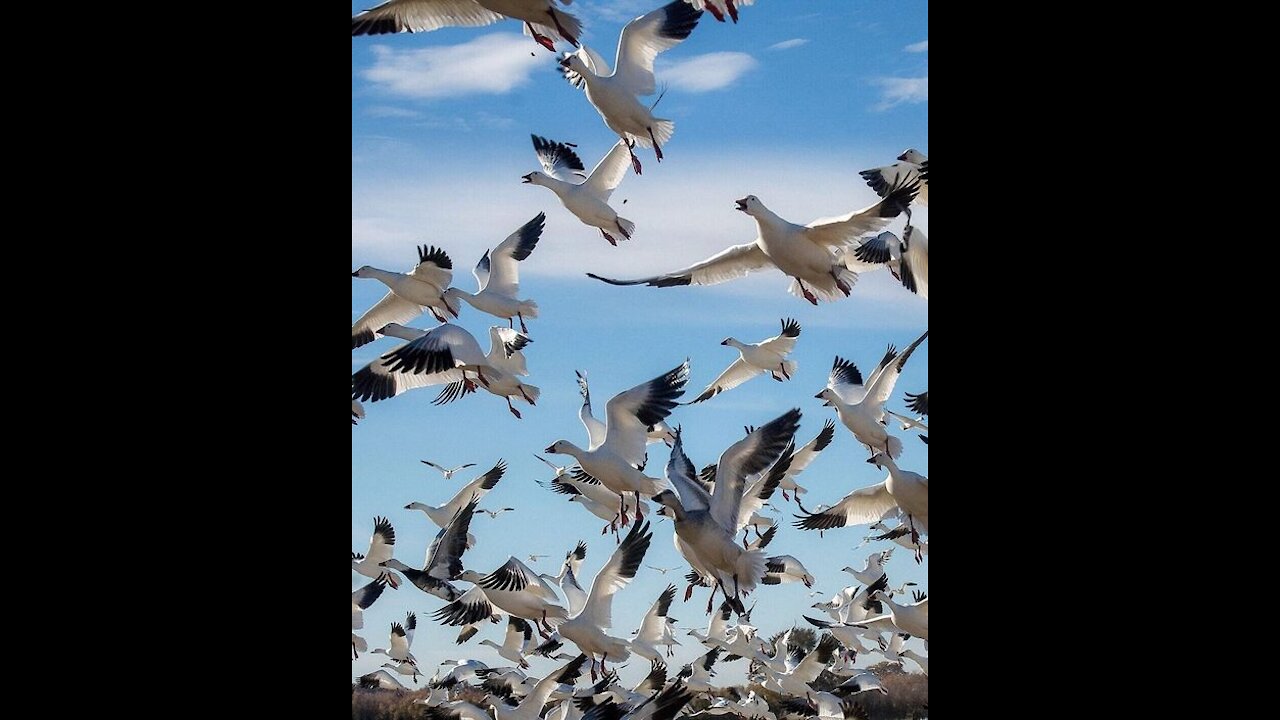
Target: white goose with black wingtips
[(755, 358), (543, 21), (361, 599), (444, 557), (438, 356), (861, 406), (382, 545), (422, 288), (498, 276), (586, 196)]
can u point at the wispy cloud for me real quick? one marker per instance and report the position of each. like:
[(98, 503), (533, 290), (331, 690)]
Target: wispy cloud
[(788, 44), (489, 65), (704, 73), (922, 46), (896, 91), (388, 111)]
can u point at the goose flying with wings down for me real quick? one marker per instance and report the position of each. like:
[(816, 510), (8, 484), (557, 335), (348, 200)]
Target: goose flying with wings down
[(617, 459), (613, 93), (382, 546), (498, 276), (586, 196), (861, 406), (422, 288), (754, 358), (707, 524), (910, 491), (381, 679), (912, 164), (401, 640), (542, 19), (444, 558), (505, 366), (438, 356), (809, 254)]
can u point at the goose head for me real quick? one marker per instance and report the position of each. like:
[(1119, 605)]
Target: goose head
[(363, 272), (533, 178), (750, 205), (878, 459), (826, 395), (912, 155)]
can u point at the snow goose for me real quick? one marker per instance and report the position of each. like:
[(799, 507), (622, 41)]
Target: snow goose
[(516, 643), (848, 635), (912, 619), (861, 407), (872, 569), (457, 710), (918, 404), (381, 547), (658, 432), (361, 599), (659, 706), (506, 364), (917, 658), (403, 667), (806, 253), (422, 288), (802, 457), (430, 357), (613, 92), (448, 473), (912, 164), (586, 628), (797, 679), (595, 497), (786, 569), (717, 627), (754, 358), (357, 411), (707, 524), (530, 708), (495, 513), (718, 8), (513, 588), (472, 491), (697, 675), (906, 259), (653, 628), (910, 490), (444, 557), (401, 639), (498, 276), (615, 462), (542, 19), (864, 505), (900, 535), (586, 196), (558, 469), (381, 679)]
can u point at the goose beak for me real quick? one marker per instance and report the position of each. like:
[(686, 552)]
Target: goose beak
[(741, 204), (565, 61), (550, 449), (527, 178), (355, 274), (903, 157)]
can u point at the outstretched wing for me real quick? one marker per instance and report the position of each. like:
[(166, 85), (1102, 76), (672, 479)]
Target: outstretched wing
[(558, 159), (841, 231), (745, 458), (862, 506), (609, 171), (630, 414), (504, 261), (646, 36), (727, 265), (738, 372), (396, 16), (615, 575)]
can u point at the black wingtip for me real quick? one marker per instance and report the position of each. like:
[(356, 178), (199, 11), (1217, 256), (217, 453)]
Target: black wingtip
[(790, 328)]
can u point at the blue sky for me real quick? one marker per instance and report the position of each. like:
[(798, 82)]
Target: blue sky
[(788, 105)]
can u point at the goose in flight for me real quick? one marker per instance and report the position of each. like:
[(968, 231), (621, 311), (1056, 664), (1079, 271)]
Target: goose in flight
[(382, 546), (663, 705), (754, 358), (401, 640), (910, 490), (444, 557), (381, 679), (785, 569), (559, 470), (542, 19), (921, 660), (918, 404), (361, 599), (512, 588), (654, 627), (906, 259), (912, 164), (803, 457), (447, 472), (596, 498), (861, 406), (806, 253), (586, 628), (796, 681), (474, 490), (498, 276), (530, 708), (613, 93), (517, 642), (505, 365), (900, 535), (617, 459), (404, 667), (658, 432), (718, 8), (707, 523), (438, 356), (872, 569), (912, 619), (586, 196), (422, 288)]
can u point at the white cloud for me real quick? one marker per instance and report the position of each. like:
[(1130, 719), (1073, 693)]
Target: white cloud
[(489, 65), (703, 73), (388, 111), (896, 91), (788, 44), (922, 46)]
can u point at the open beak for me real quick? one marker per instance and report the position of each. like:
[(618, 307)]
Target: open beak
[(903, 157), (872, 461), (724, 342), (550, 449), (355, 274), (527, 178), (741, 204)]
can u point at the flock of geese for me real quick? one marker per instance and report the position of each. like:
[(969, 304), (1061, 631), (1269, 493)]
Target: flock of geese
[(716, 512)]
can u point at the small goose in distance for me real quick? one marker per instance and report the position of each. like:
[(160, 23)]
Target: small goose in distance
[(381, 547), (444, 557), (472, 491), (615, 462), (613, 92), (447, 472), (505, 366), (516, 643), (495, 513), (361, 599), (861, 407), (912, 164), (559, 470), (806, 253), (381, 679), (422, 288), (438, 356), (498, 276), (754, 358), (900, 535), (542, 19), (586, 196), (718, 12)]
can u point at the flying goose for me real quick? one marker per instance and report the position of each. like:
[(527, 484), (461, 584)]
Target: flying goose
[(921, 660), (661, 706), (505, 365), (912, 619), (512, 588), (697, 675), (802, 457), (806, 253), (401, 639), (498, 276), (438, 356), (615, 462), (906, 259), (444, 557), (613, 92), (530, 708), (516, 643), (658, 432), (861, 407), (595, 497), (786, 569), (718, 12), (494, 515), (586, 196), (472, 491), (872, 569), (717, 627), (381, 547), (403, 667), (381, 679), (797, 679), (912, 164), (559, 470), (910, 490), (542, 19), (586, 628), (422, 288), (754, 358), (900, 535), (447, 472), (361, 599), (654, 627), (707, 524)]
